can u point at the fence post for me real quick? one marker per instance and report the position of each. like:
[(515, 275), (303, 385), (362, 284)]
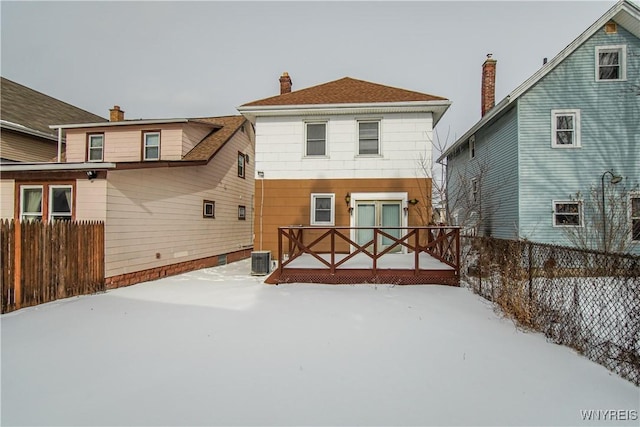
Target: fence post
[(17, 267), (530, 270)]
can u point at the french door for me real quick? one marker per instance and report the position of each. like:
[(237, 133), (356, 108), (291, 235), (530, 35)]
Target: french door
[(378, 213)]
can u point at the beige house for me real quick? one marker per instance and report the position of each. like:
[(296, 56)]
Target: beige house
[(175, 194), (25, 117)]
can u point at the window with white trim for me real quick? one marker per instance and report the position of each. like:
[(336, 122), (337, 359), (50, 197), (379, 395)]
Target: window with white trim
[(565, 128), (635, 217), (316, 139), (322, 209), (611, 63), (95, 147), (31, 202), (60, 202), (567, 213), (151, 149), (369, 137), (472, 147), (242, 159), (474, 190), (242, 213)]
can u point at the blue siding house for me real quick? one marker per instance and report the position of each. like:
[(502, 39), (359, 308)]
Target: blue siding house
[(558, 160)]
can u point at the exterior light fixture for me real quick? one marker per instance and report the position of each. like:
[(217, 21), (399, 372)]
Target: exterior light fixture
[(92, 174), (347, 198), (614, 180)]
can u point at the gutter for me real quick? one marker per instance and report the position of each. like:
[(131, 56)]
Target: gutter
[(18, 167), (20, 128), (122, 123)]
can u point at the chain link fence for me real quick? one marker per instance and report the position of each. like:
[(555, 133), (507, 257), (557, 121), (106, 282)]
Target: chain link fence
[(583, 299)]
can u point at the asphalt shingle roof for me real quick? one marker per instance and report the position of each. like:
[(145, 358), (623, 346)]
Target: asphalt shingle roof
[(210, 145), (32, 109), (345, 91)]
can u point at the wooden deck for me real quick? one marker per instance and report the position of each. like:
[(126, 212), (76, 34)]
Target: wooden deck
[(419, 255)]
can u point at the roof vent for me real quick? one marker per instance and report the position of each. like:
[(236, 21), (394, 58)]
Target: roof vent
[(611, 27)]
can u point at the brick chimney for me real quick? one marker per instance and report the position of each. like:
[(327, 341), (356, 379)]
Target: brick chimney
[(116, 114), (285, 83), (488, 96)]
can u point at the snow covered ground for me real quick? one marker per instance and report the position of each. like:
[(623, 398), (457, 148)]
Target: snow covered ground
[(218, 347)]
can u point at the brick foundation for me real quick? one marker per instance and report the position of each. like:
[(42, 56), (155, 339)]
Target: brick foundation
[(172, 269)]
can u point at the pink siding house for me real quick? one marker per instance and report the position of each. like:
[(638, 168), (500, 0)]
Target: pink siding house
[(174, 194)]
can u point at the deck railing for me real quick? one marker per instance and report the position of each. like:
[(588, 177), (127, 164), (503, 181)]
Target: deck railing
[(441, 243)]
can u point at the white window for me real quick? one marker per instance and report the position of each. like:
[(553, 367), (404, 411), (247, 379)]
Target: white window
[(635, 217), (60, 202), (565, 128), (30, 202), (209, 209), (95, 148), (474, 190), (316, 139), (241, 163), (472, 147), (567, 213), (611, 63), (369, 137), (151, 149), (322, 209)]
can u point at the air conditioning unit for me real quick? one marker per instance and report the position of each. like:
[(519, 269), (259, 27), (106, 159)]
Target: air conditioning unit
[(260, 263)]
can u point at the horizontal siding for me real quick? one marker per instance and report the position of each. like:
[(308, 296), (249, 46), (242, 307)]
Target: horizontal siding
[(404, 139), (192, 134), (159, 211), (495, 167), (286, 202), (22, 148), (7, 198), (610, 134), (124, 143), (91, 200)]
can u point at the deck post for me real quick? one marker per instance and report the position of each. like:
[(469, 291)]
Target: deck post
[(458, 252), (280, 250), (375, 251), (333, 251), (416, 253)]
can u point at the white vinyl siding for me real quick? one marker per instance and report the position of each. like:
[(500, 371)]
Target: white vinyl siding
[(565, 128), (611, 63), (322, 209)]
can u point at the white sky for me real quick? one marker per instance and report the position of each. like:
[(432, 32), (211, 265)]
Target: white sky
[(190, 59)]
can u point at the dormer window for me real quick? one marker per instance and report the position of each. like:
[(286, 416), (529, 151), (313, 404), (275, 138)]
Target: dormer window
[(151, 149), (95, 147), (611, 63)]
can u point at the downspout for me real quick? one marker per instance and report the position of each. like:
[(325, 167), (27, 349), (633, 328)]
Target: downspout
[(59, 145)]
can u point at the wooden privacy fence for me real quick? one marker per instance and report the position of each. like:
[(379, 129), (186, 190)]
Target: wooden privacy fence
[(45, 261)]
